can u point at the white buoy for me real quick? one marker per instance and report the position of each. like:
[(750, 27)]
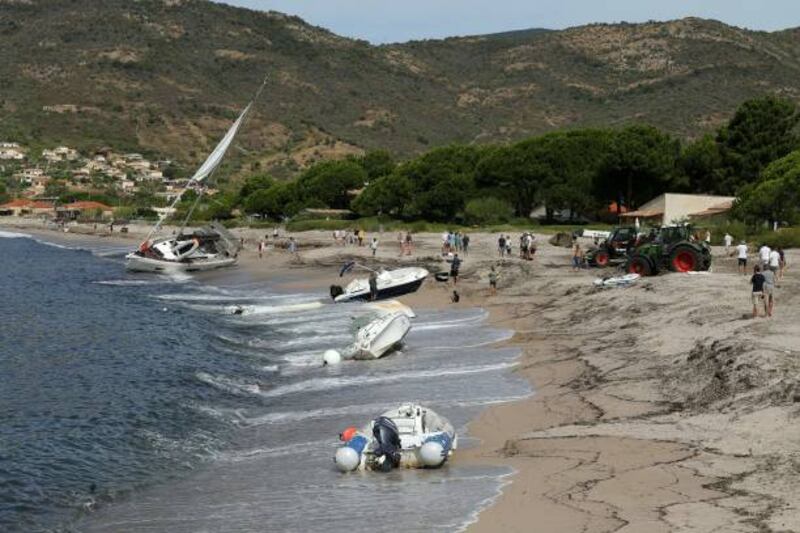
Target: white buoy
[(331, 357), (432, 453), (346, 459)]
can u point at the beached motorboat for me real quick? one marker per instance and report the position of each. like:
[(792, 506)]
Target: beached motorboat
[(380, 336), (410, 436), (617, 281), (390, 283), (207, 248)]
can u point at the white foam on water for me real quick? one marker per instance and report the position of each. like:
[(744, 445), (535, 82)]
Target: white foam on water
[(14, 235), (227, 384), (323, 384), (371, 409), (278, 451), (128, 282)]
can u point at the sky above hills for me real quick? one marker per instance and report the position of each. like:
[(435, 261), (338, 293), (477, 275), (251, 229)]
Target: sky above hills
[(382, 21)]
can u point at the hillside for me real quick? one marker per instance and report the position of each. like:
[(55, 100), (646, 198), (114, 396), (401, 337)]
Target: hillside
[(167, 76)]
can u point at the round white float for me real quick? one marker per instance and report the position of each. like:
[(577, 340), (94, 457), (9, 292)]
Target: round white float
[(432, 454), (346, 459), (331, 357)]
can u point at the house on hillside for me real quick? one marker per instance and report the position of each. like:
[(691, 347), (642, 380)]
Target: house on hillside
[(23, 207), (11, 151), (78, 209), (673, 208), (60, 153)]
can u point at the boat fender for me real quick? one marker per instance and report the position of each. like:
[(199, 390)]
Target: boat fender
[(348, 457), (432, 453), (348, 434), (331, 357), (336, 290)]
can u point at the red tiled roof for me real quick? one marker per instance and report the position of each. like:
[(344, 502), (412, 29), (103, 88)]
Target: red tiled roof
[(38, 204), (79, 206), (19, 202)]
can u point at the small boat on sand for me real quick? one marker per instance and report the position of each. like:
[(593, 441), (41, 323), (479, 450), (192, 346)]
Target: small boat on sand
[(204, 249), (410, 436), (618, 281), (380, 336), (209, 248), (390, 283)]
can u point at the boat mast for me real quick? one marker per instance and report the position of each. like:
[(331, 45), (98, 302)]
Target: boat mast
[(211, 163)]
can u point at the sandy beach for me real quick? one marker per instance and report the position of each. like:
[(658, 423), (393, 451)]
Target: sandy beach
[(658, 407)]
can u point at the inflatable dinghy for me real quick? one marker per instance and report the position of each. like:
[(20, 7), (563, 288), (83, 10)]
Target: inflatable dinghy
[(411, 436)]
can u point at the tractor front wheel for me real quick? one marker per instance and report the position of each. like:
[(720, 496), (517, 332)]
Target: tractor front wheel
[(640, 265), (602, 259), (684, 259)]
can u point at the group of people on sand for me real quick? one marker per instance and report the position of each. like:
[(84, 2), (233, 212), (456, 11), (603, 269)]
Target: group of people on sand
[(406, 242), (768, 270), (349, 237), (453, 242), (527, 246)]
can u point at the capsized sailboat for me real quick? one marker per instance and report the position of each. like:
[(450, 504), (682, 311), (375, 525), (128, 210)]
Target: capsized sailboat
[(208, 248)]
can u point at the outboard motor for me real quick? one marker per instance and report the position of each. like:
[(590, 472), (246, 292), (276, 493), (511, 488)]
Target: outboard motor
[(388, 438), (336, 290)]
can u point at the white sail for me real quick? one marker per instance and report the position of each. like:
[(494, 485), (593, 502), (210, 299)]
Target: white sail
[(213, 160)]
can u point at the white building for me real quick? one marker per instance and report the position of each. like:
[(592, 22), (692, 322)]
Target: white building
[(672, 208), (60, 153)]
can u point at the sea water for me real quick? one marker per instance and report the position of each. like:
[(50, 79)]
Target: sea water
[(142, 403)]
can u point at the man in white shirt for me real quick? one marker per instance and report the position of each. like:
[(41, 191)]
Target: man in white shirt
[(763, 255), (741, 254), (774, 261), (728, 239)]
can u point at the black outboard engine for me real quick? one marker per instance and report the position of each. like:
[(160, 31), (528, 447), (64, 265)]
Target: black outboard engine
[(336, 290), (388, 438)]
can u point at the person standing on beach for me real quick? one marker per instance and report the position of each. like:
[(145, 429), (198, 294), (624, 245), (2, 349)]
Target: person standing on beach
[(409, 243), (708, 237), (577, 257), (501, 245), (769, 290), (465, 243), (728, 239), (782, 255), (492, 282), (763, 255), (261, 248), (758, 281), (275, 233), (741, 255), (455, 266), (373, 286), (361, 236), (374, 246), (774, 261), (293, 247)]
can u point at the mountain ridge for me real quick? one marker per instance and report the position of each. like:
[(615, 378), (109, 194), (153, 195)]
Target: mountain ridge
[(168, 76)]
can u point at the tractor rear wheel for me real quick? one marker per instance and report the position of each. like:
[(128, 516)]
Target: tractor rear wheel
[(684, 259), (640, 265), (602, 258)]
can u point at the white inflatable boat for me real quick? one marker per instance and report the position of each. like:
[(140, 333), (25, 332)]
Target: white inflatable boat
[(381, 335), (411, 436)]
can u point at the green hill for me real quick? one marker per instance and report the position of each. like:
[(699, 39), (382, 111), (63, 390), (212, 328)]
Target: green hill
[(167, 77)]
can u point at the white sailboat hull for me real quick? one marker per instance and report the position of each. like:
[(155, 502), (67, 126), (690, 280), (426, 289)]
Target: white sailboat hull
[(136, 263), (377, 338)]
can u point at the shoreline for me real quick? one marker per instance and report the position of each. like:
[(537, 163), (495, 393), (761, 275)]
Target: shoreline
[(657, 407)]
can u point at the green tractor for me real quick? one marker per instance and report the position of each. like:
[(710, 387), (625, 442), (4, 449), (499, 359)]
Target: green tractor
[(614, 249), (669, 248)]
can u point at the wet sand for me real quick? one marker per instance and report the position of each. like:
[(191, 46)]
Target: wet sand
[(657, 407)]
